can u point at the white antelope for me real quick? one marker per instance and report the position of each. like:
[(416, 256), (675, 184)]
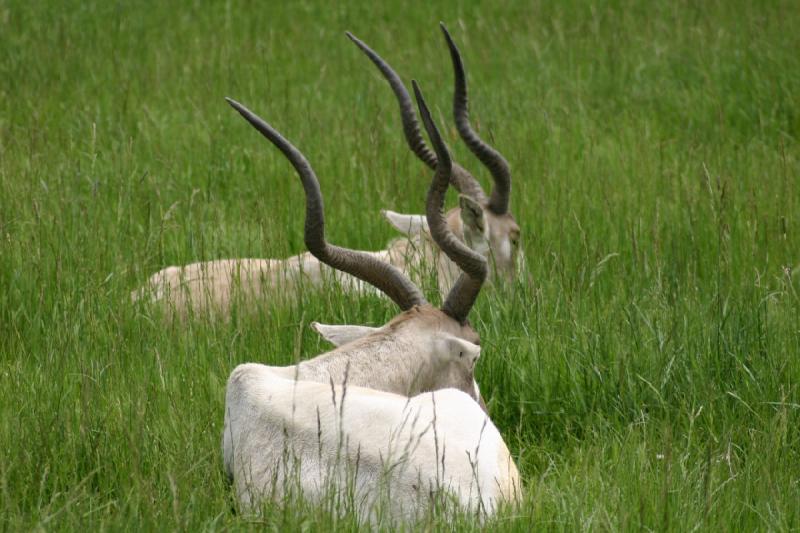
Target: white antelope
[(484, 223), (392, 411)]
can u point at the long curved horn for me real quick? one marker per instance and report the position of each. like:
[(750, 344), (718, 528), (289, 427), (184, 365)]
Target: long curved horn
[(497, 165), (461, 179), (383, 276), (410, 125), (462, 296)]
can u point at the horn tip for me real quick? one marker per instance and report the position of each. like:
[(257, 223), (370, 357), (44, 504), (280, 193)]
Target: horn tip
[(355, 39), (445, 32), (418, 95), (233, 103), (423, 107)]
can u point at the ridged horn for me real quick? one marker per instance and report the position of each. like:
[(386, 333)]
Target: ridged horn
[(383, 276), (462, 296), (491, 158), (461, 179)]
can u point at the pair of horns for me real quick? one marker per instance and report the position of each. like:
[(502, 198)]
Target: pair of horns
[(385, 277), (461, 179)]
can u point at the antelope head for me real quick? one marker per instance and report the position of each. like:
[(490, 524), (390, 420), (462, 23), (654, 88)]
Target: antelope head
[(484, 222), (423, 348)]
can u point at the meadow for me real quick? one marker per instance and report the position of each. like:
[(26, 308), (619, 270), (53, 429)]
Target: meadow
[(645, 368)]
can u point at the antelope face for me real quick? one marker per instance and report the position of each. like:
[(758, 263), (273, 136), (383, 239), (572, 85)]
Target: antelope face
[(494, 236), (474, 225), (504, 243)]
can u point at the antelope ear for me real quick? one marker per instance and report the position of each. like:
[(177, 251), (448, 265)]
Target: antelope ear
[(472, 215), (458, 349), (341, 334), (406, 224)]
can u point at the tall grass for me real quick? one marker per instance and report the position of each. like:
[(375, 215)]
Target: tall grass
[(645, 372)]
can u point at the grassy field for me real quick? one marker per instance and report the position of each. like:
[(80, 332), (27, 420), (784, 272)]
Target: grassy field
[(645, 372)]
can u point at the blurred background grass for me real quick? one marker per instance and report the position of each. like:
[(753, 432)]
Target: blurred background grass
[(645, 369)]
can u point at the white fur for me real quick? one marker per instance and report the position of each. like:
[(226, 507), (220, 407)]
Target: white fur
[(341, 334), (420, 350), (280, 433), (447, 345), (460, 348), (385, 370), (406, 224), (505, 248), (212, 287)]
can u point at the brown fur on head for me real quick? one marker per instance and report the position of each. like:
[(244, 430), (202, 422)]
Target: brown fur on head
[(494, 236), (452, 349), (433, 318)]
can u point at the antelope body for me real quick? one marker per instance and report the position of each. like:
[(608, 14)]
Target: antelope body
[(482, 222), (379, 392), (375, 447), (212, 287)]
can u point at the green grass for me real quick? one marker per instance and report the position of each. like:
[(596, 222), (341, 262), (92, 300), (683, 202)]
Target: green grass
[(645, 374)]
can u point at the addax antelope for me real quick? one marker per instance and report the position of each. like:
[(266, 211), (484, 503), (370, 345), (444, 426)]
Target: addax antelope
[(483, 222), (392, 413)]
